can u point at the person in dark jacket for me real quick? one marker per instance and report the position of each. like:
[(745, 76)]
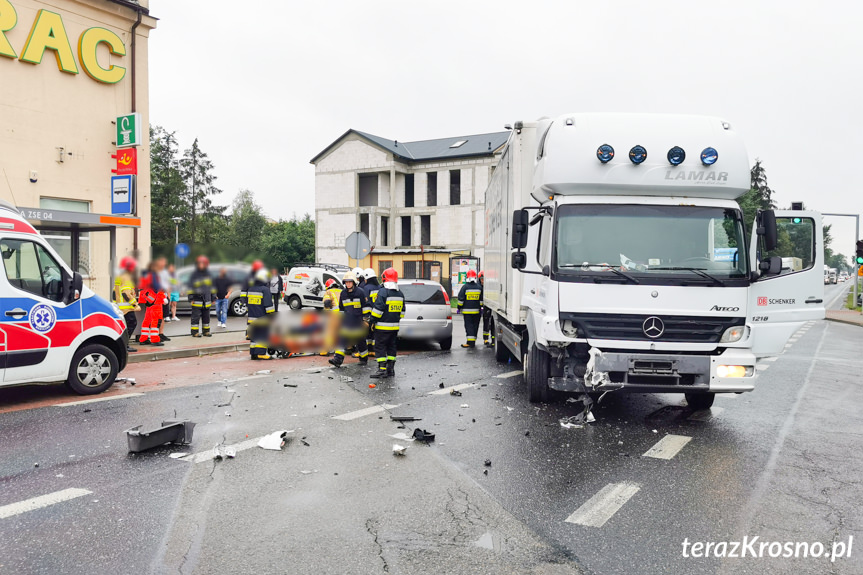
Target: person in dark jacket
[(201, 293), (277, 286), (371, 288), (470, 304), (389, 309), (261, 310), (257, 266), (354, 310)]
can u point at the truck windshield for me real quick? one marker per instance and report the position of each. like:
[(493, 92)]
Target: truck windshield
[(673, 243)]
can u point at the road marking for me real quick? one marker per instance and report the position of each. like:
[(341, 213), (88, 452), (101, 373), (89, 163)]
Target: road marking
[(768, 359), (446, 390), (208, 454), (727, 395), (41, 501), (364, 412), (510, 374), (705, 414), (668, 446), (248, 377), (602, 506), (98, 399), (762, 367)]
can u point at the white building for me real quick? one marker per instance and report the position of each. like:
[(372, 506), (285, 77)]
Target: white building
[(418, 202)]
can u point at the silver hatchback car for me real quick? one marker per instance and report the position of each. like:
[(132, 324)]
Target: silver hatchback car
[(428, 315)]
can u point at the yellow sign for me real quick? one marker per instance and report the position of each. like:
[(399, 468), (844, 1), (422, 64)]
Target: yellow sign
[(49, 33)]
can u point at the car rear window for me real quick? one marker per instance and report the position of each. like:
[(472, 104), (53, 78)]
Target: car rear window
[(423, 294)]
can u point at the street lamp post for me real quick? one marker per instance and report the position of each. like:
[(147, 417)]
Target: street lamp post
[(177, 220), (856, 237)]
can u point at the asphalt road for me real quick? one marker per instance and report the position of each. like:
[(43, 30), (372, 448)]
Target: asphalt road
[(779, 464)]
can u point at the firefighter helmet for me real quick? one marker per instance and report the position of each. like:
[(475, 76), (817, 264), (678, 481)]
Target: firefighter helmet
[(257, 265), (471, 275), (262, 275), (330, 283), (203, 260), (390, 275), (350, 277), (359, 272), (369, 273), (128, 263)]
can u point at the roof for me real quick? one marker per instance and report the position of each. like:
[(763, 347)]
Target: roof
[(475, 145)]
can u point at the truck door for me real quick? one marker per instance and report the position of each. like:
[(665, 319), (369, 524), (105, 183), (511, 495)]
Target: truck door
[(780, 303), (33, 318)]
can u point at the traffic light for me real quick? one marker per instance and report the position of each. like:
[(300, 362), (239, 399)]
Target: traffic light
[(859, 259)]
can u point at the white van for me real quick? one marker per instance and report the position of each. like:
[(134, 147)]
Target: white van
[(306, 284), (52, 328)]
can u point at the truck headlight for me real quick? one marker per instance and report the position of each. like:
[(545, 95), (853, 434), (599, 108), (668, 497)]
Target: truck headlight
[(733, 334), (568, 328), (734, 371)]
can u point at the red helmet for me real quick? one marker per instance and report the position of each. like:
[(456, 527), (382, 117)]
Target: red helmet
[(257, 265), (390, 275), (471, 274), (128, 263), (481, 275), (203, 260), (330, 283)]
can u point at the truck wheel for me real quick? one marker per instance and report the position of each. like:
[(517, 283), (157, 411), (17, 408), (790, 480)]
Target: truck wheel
[(93, 370), (501, 353), (536, 373), (295, 302), (446, 344), (238, 308), (700, 400)]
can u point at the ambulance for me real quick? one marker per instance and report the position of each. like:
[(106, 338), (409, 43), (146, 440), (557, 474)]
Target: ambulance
[(52, 328)]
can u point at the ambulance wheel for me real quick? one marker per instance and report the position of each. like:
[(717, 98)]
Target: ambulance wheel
[(536, 372), (700, 400), (93, 370), (238, 308), (295, 302), (446, 344)]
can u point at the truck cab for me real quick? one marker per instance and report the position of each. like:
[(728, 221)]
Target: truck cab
[(634, 271), (52, 327)]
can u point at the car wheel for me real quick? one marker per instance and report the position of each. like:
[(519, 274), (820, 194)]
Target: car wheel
[(94, 369), (536, 372), (700, 400), (446, 344), (295, 302), (238, 307)]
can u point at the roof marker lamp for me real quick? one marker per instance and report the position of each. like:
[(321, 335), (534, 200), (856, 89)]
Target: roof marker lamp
[(676, 155), (709, 156), (605, 153), (637, 154)]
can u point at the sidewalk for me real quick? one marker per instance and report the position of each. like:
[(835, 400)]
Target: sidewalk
[(845, 316), (188, 346)]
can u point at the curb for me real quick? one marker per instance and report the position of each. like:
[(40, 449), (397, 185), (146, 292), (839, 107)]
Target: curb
[(186, 352), (845, 321)]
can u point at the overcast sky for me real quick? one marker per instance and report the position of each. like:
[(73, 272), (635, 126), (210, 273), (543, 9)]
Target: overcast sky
[(266, 85)]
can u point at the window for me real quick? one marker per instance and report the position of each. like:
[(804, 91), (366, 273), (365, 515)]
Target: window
[(406, 230), (63, 242), (385, 231), (454, 187), (795, 245), (425, 230), (384, 265), (458, 144), (328, 277), (31, 268), (409, 190), (410, 270), (364, 224), (543, 250), (368, 190), (432, 189), (428, 294)]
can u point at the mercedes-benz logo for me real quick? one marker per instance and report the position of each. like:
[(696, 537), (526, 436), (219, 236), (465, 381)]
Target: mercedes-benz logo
[(653, 327)]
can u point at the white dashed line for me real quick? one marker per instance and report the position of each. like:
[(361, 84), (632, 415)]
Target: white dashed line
[(667, 447), (446, 390), (364, 412), (208, 454), (42, 501), (510, 374), (98, 399), (705, 414), (727, 395), (602, 506)]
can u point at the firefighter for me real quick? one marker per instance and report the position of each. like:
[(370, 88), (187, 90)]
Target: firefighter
[(487, 336), (201, 296), (388, 311), (470, 304), (331, 306), (261, 310), (153, 297), (124, 297), (257, 266), (354, 310), (371, 289)]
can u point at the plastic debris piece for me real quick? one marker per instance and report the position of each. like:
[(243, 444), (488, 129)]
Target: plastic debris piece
[(405, 418), (59, 475), (290, 385), (487, 463), (177, 455), (304, 442), (372, 386), (590, 418), (230, 452), (423, 435), (35, 465), (275, 440), (228, 413), (654, 431), (440, 385), (464, 406), (308, 471), (455, 392), (402, 437), (87, 410), (573, 422), (399, 449), (510, 408), (485, 472), (172, 431), (264, 372)]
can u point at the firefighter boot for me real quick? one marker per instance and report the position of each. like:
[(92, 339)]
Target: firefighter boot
[(336, 360), (391, 368)]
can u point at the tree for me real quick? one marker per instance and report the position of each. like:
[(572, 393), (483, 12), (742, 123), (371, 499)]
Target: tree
[(247, 221), (288, 243), (197, 172), (759, 196), (167, 189)]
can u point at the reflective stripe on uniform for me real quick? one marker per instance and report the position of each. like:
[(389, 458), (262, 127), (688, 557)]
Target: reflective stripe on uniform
[(387, 326), (469, 311)]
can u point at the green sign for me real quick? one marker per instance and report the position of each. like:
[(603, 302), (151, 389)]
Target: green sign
[(129, 131)]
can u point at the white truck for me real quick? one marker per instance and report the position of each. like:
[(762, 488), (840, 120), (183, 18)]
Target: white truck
[(633, 271)]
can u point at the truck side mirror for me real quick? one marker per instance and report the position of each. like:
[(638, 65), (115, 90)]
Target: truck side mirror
[(519, 260), (767, 229), (520, 222), (771, 266)]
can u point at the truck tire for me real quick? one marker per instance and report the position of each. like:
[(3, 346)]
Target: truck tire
[(446, 344), (295, 302), (700, 400), (536, 374), (94, 369)]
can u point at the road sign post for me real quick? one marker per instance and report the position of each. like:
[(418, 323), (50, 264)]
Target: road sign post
[(358, 246)]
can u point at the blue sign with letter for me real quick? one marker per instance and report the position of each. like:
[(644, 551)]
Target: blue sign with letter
[(181, 250), (725, 254), (122, 195)]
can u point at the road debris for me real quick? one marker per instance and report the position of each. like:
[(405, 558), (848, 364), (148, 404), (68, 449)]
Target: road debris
[(308, 471), (264, 372), (399, 449), (304, 442), (440, 385), (455, 392), (223, 452), (487, 463), (401, 437), (290, 385), (464, 406), (372, 386), (404, 418), (275, 440), (172, 431), (177, 455), (423, 435)]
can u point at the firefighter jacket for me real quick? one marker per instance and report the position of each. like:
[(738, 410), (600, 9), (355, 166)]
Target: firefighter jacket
[(201, 287), (389, 309), (470, 298), (372, 292), (124, 292), (260, 303), (332, 295), (354, 307)]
